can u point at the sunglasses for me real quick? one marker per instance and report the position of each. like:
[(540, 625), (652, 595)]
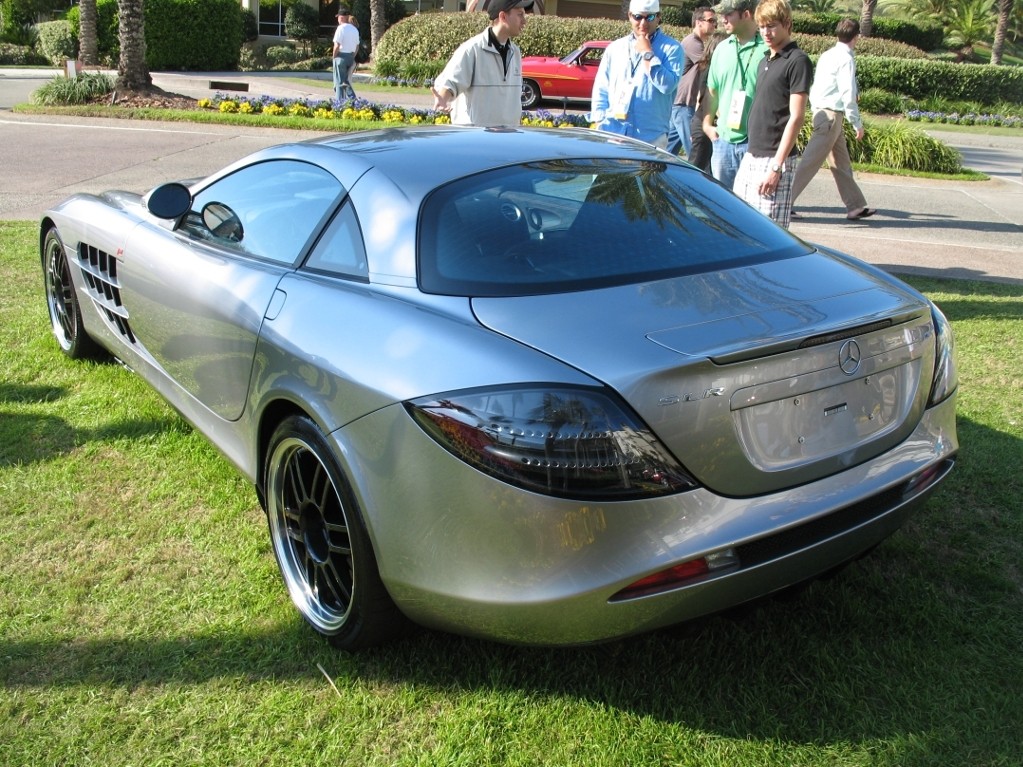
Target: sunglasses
[(709, 21), (651, 17)]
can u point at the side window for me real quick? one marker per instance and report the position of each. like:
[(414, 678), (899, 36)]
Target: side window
[(340, 249), (270, 210)]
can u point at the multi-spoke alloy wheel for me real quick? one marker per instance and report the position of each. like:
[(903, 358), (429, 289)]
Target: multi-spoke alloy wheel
[(319, 542), (62, 302)]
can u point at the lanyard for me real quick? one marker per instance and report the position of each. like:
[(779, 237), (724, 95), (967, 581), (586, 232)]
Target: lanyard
[(738, 56)]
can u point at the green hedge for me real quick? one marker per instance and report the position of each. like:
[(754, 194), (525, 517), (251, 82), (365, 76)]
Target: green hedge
[(926, 36), (57, 42), (416, 48), (193, 34), (958, 82), (14, 55)]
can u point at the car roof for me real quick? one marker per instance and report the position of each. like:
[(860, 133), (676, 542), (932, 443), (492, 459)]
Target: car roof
[(420, 159)]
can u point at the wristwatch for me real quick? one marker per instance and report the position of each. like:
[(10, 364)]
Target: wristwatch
[(775, 168), (648, 55)]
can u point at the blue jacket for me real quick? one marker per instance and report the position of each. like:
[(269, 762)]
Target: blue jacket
[(622, 76)]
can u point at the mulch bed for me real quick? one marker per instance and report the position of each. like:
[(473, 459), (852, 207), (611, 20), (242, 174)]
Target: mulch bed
[(153, 98)]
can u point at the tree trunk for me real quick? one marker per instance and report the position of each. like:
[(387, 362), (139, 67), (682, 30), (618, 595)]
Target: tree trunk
[(867, 18), (377, 22), (132, 73), (1004, 14), (88, 41)]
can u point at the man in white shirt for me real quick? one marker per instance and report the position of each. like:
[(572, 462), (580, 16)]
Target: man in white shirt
[(833, 98), (346, 43)]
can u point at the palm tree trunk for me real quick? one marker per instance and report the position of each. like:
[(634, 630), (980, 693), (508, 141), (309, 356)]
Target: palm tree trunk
[(87, 33), (132, 73), (867, 18), (1004, 14), (377, 22)]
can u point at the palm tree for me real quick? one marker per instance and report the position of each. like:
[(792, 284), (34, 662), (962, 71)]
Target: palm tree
[(132, 72), (968, 23), (928, 10), (1004, 15), (87, 33)]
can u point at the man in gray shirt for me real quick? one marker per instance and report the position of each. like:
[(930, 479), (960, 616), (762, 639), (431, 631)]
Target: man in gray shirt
[(679, 132)]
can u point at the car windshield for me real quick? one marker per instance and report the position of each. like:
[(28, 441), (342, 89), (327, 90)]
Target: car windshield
[(564, 225)]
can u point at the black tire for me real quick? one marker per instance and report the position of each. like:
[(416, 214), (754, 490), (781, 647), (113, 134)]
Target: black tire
[(320, 542), (531, 95), (62, 302)]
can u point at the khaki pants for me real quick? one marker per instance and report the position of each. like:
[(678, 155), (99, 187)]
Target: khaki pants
[(828, 142)]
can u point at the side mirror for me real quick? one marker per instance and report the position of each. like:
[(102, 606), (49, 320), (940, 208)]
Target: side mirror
[(223, 222), (168, 200)]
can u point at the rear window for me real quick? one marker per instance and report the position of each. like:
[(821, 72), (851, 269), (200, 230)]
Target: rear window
[(566, 225)]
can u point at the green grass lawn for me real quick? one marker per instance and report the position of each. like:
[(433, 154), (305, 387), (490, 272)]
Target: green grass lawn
[(143, 622)]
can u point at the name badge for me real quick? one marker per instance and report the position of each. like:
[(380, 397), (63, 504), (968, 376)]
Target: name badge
[(737, 110), (622, 100)]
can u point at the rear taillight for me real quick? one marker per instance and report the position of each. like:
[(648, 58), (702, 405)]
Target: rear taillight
[(573, 443)]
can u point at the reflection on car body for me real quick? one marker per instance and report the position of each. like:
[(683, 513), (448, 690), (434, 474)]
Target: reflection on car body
[(550, 387)]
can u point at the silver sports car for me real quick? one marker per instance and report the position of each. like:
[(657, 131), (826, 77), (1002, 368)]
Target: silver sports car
[(541, 386)]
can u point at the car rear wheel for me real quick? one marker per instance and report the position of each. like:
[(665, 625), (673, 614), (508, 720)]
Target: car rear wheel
[(321, 546), (62, 301), (530, 94)]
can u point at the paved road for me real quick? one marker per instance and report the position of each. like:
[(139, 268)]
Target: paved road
[(953, 229)]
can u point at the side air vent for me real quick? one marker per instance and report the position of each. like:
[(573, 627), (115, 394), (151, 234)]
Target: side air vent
[(100, 272)]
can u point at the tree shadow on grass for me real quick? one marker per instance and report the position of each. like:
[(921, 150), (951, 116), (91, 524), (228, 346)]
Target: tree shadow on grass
[(34, 437)]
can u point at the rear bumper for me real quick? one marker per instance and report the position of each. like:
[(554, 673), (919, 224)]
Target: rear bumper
[(473, 556)]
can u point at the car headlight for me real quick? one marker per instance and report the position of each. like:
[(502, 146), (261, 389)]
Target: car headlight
[(567, 442), (946, 377)]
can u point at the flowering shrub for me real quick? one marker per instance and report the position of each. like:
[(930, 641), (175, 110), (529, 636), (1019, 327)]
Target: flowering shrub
[(366, 111), (954, 118)]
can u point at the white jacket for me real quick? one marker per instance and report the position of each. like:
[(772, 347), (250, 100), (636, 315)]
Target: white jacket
[(485, 94)]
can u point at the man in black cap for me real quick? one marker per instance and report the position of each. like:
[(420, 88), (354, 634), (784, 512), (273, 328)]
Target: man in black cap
[(482, 82)]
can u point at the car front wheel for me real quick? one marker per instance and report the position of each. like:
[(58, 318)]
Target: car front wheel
[(320, 544), (530, 94), (62, 301)]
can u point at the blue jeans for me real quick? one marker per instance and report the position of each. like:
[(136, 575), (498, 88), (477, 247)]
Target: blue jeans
[(680, 134), (341, 72), (724, 162)]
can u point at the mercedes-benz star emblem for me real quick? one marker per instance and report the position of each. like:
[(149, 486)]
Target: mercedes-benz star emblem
[(849, 357)]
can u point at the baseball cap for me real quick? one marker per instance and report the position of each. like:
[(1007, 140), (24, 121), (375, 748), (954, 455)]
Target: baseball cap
[(730, 6), (342, 11), (496, 6), (645, 6)]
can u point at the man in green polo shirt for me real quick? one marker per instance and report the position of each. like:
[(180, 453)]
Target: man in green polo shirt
[(732, 83)]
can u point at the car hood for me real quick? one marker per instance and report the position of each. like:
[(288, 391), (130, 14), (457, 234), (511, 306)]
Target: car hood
[(535, 61), (757, 378)]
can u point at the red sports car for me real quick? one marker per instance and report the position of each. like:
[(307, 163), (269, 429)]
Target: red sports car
[(546, 77)]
